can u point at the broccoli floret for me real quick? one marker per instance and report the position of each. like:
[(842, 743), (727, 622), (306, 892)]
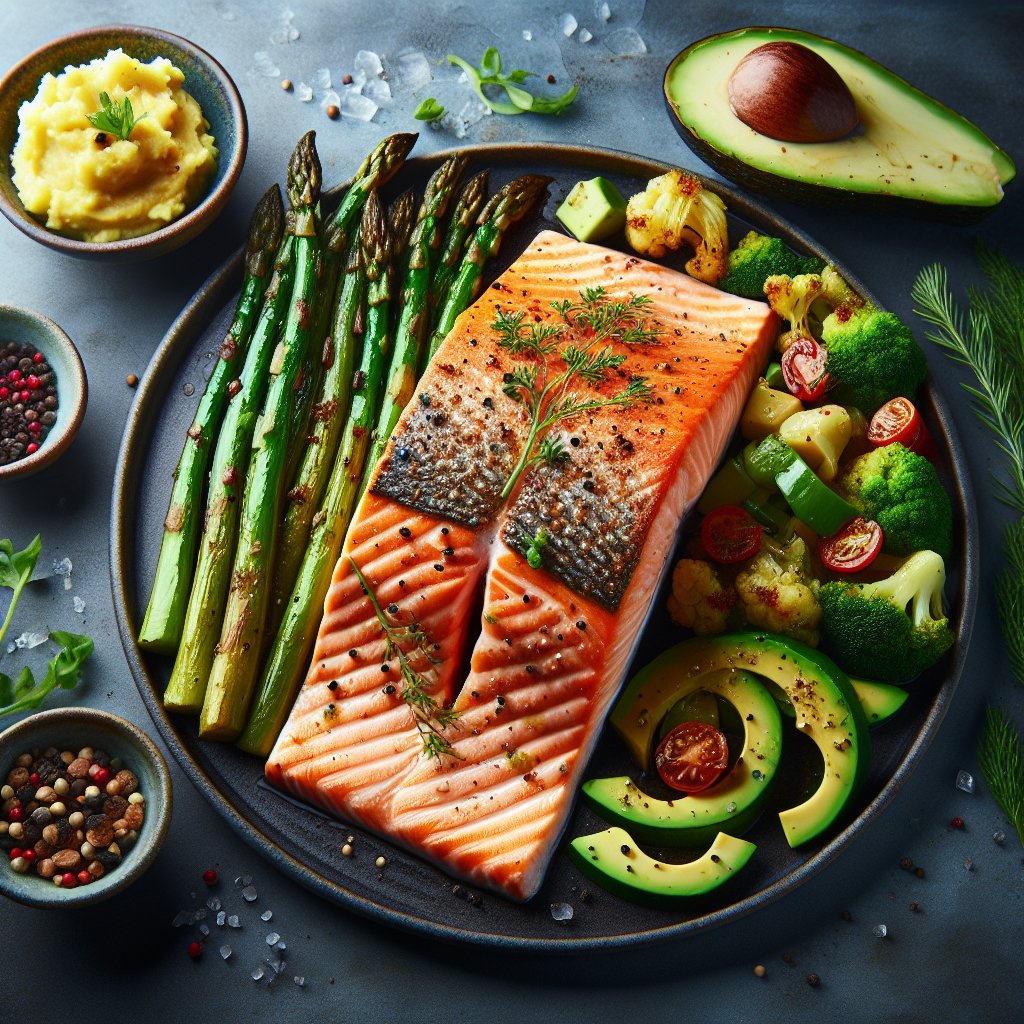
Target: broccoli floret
[(758, 257), (872, 357), (900, 491), (700, 600), (792, 298), (675, 209), (775, 594), (891, 630)]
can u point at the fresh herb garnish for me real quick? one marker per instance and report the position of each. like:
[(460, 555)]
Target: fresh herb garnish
[(15, 570), (549, 396), (1001, 759), (990, 341), (429, 110), (520, 101), (404, 642), (64, 671), (117, 118), (535, 544)]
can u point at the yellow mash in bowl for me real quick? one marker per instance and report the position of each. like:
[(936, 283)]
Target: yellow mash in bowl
[(92, 185)]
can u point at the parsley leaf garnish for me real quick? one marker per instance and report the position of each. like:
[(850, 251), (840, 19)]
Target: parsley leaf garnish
[(116, 118)]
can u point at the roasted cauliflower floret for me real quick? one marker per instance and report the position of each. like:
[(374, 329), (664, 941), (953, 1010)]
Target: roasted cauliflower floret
[(700, 600), (775, 595), (675, 209)]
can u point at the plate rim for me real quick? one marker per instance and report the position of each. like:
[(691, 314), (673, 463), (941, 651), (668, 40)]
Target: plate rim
[(209, 299)]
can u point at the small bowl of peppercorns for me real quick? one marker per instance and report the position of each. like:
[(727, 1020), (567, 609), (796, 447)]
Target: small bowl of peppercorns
[(85, 802), (43, 392)]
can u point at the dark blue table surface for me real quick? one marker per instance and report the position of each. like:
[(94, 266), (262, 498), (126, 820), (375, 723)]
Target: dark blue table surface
[(956, 958)]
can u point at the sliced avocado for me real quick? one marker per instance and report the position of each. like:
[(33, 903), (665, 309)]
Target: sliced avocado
[(880, 701), (910, 151), (593, 210), (613, 860), (827, 712), (698, 706), (734, 802)]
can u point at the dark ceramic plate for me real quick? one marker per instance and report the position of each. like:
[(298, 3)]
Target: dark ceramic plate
[(409, 892)]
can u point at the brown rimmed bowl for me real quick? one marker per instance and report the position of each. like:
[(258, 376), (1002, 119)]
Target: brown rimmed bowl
[(205, 80), (72, 729), (25, 325)]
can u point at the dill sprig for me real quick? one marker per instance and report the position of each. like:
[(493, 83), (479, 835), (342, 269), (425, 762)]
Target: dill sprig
[(400, 641), (551, 397), (116, 118), (971, 341), (1001, 759)]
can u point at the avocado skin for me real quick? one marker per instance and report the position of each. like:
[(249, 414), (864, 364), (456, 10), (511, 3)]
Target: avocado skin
[(765, 183)]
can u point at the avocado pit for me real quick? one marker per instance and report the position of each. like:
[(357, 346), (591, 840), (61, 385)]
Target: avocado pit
[(788, 92)]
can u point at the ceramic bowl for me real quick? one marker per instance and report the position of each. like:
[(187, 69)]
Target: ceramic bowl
[(205, 80), (72, 388), (72, 729)]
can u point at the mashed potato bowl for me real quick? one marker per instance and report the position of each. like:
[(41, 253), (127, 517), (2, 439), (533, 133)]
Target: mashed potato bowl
[(203, 194)]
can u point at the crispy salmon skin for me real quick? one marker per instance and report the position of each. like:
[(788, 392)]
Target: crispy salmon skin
[(566, 561)]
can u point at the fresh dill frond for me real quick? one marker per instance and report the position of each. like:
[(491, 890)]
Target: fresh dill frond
[(969, 340), (116, 118), (1010, 595), (1001, 759), (403, 642)]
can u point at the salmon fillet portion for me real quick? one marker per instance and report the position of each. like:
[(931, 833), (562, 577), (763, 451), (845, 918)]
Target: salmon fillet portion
[(555, 641)]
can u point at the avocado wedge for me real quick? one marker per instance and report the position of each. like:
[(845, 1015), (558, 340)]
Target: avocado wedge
[(909, 154)]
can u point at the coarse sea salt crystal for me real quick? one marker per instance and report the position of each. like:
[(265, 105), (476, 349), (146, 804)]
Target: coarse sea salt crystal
[(303, 92), (604, 12), (225, 952), (330, 99), (249, 894), (299, 980), (964, 781), (273, 939), (233, 921), (561, 911), (78, 604), (29, 639), (213, 903), (62, 568), (11, 646), (322, 78), (356, 106), (221, 918), (264, 64), (625, 42), (368, 63), (527, 35), (266, 915), (568, 24), (256, 974), (204, 930), (410, 68), (880, 931), (585, 35), (378, 91)]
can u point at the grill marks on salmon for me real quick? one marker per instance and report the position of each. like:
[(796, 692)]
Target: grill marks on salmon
[(554, 642)]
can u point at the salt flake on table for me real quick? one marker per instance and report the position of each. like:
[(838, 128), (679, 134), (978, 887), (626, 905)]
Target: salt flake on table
[(264, 64), (527, 35), (273, 939), (411, 69), (965, 781), (30, 639), (249, 894), (303, 92), (604, 12), (78, 604), (225, 952), (356, 106), (568, 24), (266, 915), (377, 91), (368, 63), (322, 78), (585, 36), (561, 911)]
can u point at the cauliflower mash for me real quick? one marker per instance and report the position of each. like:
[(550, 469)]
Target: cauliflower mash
[(91, 185)]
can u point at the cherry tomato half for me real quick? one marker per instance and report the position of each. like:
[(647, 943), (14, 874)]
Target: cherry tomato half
[(730, 534), (899, 422), (692, 757), (803, 369), (853, 548)]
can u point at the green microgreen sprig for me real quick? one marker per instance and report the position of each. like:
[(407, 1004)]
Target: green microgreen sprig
[(489, 75), (116, 118), (404, 642), (429, 110)]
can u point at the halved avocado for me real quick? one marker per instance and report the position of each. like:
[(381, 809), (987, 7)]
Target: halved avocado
[(910, 151), (613, 860), (827, 712), (734, 802)]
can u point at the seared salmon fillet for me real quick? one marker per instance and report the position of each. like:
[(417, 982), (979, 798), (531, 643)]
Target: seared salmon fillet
[(572, 555)]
